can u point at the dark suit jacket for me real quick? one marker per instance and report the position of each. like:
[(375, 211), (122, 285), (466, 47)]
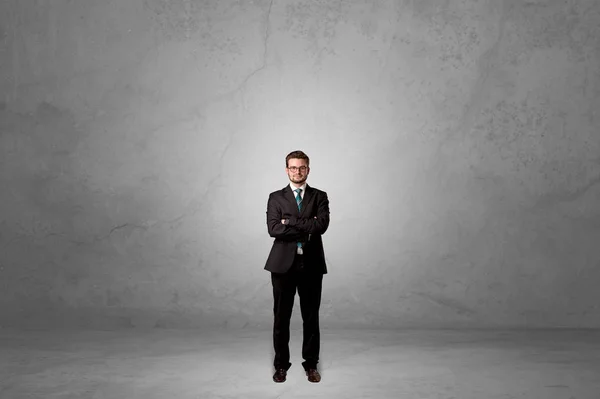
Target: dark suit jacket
[(282, 205)]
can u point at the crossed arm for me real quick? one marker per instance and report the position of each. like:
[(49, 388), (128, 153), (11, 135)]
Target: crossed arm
[(295, 228)]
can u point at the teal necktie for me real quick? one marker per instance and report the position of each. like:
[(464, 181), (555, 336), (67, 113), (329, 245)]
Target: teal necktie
[(299, 202)]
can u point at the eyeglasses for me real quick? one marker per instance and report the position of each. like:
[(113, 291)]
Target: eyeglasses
[(295, 168)]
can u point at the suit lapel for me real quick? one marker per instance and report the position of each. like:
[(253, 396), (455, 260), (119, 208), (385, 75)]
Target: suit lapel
[(291, 196), (307, 196)]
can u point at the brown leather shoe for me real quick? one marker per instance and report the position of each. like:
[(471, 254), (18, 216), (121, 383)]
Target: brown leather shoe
[(280, 375), (313, 375)]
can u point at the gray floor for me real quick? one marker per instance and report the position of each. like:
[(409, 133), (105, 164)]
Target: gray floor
[(354, 364)]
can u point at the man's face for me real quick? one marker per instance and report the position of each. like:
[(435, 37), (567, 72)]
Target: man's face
[(297, 170)]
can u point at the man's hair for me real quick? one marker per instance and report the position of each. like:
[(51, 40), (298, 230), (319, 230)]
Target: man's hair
[(297, 155)]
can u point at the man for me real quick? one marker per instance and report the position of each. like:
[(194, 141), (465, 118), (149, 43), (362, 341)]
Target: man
[(297, 217)]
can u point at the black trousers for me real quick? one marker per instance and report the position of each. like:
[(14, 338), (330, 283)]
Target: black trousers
[(309, 286)]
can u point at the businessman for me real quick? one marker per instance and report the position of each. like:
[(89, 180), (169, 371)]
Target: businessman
[(297, 217)]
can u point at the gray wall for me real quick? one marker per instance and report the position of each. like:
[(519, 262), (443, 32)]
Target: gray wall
[(459, 143)]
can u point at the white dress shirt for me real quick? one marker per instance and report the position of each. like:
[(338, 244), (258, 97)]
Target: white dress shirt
[(303, 187)]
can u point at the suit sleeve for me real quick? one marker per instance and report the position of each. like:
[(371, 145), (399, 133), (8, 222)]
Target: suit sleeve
[(276, 228), (312, 225)]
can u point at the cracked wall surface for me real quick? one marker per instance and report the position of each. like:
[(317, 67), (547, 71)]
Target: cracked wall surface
[(458, 141)]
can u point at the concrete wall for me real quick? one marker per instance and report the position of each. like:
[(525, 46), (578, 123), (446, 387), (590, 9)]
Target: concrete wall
[(459, 143)]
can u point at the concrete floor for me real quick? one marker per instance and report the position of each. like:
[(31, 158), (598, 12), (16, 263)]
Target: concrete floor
[(354, 364)]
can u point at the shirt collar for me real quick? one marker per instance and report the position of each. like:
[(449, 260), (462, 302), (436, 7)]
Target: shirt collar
[(303, 187)]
